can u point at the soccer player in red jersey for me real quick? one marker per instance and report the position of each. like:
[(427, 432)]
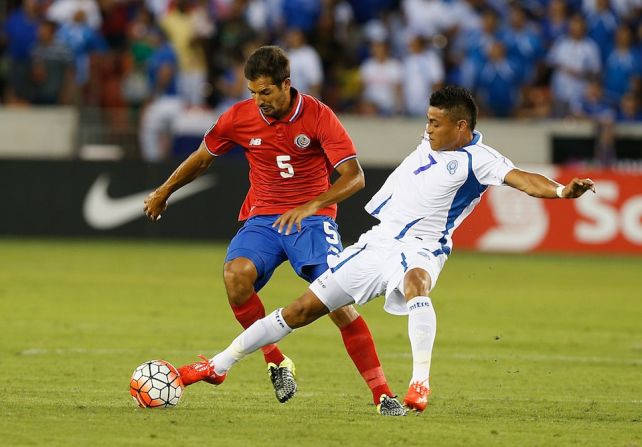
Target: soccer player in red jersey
[(292, 143)]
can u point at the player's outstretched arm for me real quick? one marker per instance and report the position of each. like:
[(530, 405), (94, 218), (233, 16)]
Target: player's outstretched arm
[(196, 164), (537, 185), (351, 180)]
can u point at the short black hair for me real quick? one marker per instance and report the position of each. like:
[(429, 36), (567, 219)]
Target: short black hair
[(269, 61), (457, 102)]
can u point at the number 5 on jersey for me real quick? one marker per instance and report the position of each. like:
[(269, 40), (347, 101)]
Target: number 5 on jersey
[(282, 162)]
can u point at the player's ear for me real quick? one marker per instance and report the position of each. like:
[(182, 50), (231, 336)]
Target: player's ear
[(462, 125), (285, 85)]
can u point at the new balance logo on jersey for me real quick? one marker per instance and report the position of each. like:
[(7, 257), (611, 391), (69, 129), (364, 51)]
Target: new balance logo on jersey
[(255, 141)]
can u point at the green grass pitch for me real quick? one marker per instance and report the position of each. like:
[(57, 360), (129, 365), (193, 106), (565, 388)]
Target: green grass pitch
[(531, 351)]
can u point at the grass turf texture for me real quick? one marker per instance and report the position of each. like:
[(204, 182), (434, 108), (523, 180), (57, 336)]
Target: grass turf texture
[(531, 350)]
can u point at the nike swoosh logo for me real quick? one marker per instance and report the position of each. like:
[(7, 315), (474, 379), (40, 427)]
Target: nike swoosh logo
[(104, 213)]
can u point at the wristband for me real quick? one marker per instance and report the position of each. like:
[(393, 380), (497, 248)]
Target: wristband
[(559, 191)]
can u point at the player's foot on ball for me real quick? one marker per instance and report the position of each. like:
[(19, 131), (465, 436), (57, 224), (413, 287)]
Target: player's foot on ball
[(390, 406), (417, 396), (197, 371), (282, 377)]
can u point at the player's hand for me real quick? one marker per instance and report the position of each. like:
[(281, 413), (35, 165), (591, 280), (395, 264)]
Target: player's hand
[(576, 187), (156, 204), (294, 217)]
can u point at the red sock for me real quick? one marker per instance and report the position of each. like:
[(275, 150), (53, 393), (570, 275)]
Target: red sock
[(360, 346), (249, 312)]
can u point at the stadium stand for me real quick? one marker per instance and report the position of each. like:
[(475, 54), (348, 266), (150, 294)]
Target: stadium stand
[(113, 60)]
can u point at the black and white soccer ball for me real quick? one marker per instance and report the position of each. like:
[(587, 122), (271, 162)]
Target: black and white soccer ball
[(156, 384)]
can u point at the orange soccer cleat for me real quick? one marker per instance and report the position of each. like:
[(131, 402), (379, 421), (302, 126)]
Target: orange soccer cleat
[(417, 397), (197, 371)]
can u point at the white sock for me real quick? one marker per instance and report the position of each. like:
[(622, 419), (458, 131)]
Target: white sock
[(422, 327), (265, 331)]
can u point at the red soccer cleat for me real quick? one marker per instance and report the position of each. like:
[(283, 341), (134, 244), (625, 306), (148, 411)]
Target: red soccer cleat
[(417, 397), (197, 371)]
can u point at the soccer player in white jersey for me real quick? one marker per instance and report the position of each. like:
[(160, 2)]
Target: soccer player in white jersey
[(419, 207)]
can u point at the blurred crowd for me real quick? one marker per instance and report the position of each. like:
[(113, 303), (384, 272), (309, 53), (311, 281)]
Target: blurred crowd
[(531, 58)]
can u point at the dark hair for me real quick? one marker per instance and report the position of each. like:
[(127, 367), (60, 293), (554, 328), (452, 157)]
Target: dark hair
[(457, 102), (269, 61)]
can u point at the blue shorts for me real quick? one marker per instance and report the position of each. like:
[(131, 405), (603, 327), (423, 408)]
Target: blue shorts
[(307, 250)]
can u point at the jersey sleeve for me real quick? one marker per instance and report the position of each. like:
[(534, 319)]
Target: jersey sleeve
[(490, 167), (334, 139), (381, 197), (218, 140)]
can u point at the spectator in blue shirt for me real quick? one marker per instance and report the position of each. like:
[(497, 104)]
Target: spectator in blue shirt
[(21, 31), (523, 43), (162, 67), (476, 46), (593, 106), (575, 59), (555, 24), (51, 77), (83, 40), (629, 110), (157, 122), (498, 83), (622, 70), (601, 25), (366, 10), (302, 14)]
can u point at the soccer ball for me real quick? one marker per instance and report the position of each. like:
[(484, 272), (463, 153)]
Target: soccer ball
[(156, 384)]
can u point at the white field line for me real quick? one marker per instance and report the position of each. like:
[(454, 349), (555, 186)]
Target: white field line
[(528, 357)]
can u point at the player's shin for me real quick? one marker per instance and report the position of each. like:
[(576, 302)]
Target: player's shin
[(265, 331), (361, 348), (247, 314), (422, 327)]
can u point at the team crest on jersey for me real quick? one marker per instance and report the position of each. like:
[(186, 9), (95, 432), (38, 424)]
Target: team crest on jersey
[(302, 141), (452, 166)]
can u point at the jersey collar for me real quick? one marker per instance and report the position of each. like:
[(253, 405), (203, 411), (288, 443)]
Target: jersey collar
[(296, 111), (477, 136)]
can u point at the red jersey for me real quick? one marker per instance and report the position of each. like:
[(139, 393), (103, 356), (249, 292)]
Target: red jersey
[(290, 159)]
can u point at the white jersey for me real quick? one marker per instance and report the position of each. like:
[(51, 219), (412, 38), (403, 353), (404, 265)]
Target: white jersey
[(420, 205), (431, 192)]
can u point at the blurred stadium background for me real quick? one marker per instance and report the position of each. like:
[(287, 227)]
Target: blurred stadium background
[(101, 99)]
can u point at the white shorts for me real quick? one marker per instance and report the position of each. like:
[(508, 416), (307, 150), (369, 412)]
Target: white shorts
[(376, 265)]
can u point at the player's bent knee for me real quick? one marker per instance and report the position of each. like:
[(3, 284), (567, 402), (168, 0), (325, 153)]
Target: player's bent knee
[(304, 311), (239, 270), (239, 276), (344, 316), (417, 282)]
